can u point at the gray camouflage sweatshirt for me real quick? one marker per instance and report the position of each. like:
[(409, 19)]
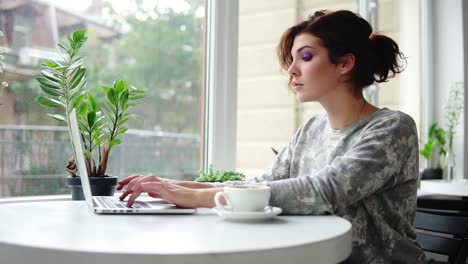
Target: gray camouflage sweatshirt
[(366, 172)]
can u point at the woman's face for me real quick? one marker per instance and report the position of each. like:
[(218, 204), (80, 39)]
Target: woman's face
[(313, 76)]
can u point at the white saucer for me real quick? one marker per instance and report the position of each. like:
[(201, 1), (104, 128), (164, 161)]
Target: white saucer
[(268, 213)]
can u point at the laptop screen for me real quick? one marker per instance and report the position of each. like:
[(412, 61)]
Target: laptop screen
[(79, 158)]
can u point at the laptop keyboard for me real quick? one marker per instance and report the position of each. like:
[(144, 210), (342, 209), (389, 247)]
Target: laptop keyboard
[(112, 202)]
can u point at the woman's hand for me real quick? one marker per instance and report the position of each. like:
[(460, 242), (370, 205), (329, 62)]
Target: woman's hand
[(181, 193), (132, 180), (172, 193)]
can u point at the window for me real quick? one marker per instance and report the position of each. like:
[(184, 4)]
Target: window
[(268, 114), (156, 45), (21, 31)]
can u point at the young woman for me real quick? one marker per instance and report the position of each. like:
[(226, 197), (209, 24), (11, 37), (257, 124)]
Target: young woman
[(356, 160)]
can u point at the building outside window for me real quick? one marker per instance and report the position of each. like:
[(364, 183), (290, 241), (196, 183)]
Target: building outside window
[(155, 45)]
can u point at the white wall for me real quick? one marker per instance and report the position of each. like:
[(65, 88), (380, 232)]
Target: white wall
[(447, 37)]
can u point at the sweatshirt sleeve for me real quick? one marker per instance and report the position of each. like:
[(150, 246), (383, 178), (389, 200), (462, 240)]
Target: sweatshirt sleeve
[(373, 163)]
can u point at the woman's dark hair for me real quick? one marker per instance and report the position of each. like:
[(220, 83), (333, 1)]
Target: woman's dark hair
[(377, 57)]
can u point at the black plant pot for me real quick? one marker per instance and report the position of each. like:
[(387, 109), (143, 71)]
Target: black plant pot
[(100, 186), (432, 174)]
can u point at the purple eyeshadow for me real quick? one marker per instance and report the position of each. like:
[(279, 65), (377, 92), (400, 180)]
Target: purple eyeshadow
[(307, 56)]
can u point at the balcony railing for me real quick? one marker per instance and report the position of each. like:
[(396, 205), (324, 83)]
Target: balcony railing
[(33, 158)]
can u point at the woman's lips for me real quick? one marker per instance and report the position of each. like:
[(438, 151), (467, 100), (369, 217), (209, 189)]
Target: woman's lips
[(297, 86)]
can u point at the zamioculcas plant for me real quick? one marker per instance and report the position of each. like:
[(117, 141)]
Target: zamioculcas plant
[(63, 83)]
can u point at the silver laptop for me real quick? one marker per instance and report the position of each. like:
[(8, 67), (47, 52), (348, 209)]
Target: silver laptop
[(110, 204)]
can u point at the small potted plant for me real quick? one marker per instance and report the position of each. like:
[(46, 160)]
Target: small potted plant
[(436, 142), (219, 176), (63, 84)]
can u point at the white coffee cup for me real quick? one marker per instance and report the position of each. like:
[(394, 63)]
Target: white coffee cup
[(244, 198)]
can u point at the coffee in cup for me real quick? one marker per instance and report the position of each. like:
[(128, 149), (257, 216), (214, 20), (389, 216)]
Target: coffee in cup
[(244, 198)]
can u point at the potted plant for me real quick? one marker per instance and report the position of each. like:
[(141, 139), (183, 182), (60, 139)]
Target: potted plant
[(436, 140), (442, 139), (63, 84), (219, 176)]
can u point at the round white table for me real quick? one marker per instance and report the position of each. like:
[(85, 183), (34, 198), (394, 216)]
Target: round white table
[(68, 232), (442, 187)]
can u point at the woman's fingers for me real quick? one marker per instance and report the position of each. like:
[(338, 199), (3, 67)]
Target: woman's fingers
[(148, 187), (125, 181), (132, 181), (172, 193)]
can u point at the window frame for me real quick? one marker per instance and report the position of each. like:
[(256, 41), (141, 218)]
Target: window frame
[(220, 91), (219, 103)]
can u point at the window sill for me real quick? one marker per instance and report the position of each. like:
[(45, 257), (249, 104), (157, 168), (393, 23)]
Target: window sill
[(41, 198)]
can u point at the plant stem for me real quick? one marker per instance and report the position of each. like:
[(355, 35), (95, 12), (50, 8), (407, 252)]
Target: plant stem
[(114, 126), (67, 100)]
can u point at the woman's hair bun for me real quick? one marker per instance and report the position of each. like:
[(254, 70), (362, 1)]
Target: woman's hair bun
[(387, 59)]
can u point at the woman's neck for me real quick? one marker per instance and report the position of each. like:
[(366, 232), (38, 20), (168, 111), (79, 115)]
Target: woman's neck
[(344, 108)]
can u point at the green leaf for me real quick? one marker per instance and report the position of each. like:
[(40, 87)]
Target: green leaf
[(440, 136), (122, 121), (79, 99), (63, 47), (119, 86), (76, 64), (80, 85), (110, 107), (93, 102), (426, 151), (136, 94), (72, 72), (83, 110), (48, 83), (130, 105), (58, 117), (51, 77), (133, 116), (114, 143), (48, 102), (55, 71), (84, 127), (79, 35), (50, 64), (121, 131), (220, 176), (91, 118), (99, 117), (105, 88), (50, 91), (72, 44), (124, 98), (76, 78), (111, 96)]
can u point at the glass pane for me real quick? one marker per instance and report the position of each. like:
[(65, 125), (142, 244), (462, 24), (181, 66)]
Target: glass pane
[(268, 113), (155, 45)]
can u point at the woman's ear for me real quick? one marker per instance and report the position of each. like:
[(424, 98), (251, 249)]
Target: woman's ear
[(346, 63)]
